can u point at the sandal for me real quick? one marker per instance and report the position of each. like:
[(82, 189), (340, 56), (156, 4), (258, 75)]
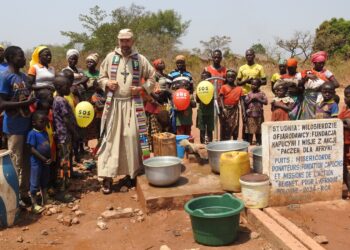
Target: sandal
[(107, 186), (36, 209), (126, 181), (64, 197)]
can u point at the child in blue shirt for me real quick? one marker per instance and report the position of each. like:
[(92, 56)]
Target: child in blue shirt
[(327, 107), (15, 99), (40, 159)]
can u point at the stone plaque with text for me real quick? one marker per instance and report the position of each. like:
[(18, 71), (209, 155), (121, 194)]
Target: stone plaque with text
[(304, 160)]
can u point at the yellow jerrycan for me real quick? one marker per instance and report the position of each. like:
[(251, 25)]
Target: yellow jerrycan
[(233, 165)]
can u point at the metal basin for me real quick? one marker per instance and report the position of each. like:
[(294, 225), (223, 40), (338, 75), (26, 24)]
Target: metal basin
[(215, 149), (257, 160), (162, 170)]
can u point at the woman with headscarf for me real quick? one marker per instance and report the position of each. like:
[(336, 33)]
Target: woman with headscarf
[(40, 74), (92, 73), (312, 80), (92, 93), (292, 79), (79, 85)]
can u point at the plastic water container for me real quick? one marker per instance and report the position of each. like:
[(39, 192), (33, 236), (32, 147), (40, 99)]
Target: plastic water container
[(9, 190), (233, 165), (179, 149), (255, 190)]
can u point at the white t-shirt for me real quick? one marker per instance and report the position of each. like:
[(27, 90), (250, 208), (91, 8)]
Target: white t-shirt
[(43, 76)]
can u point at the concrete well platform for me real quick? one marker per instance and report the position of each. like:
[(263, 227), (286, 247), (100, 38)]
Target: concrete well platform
[(196, 180)]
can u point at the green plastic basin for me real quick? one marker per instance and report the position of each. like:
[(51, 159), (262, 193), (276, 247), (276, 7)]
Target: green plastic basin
[(215, 218)]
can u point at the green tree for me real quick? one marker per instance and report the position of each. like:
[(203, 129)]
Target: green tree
[(259, 48), (333, 36), (157, 33)]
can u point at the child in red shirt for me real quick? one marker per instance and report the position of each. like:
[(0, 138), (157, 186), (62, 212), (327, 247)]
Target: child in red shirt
[(345, 117), (230, 95)]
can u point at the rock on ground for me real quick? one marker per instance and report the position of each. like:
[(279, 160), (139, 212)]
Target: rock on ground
[(75, 220), (254, 235), (79, 213), (67, 221), (115, 214), (101, 225), (164, 247), (44, 232), (20, 239), (321, 239)]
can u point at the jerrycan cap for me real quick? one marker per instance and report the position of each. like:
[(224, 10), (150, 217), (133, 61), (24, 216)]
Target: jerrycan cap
[(254, 177)]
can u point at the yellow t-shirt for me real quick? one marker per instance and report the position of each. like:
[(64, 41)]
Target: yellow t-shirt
[(246, 71), (275, 77), (70, 99)]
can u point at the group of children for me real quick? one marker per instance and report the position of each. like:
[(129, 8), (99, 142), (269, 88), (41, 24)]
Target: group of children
[(40, 124)]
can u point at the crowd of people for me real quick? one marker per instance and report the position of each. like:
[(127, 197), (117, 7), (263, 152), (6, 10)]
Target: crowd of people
[(38, 121), (133, 100)]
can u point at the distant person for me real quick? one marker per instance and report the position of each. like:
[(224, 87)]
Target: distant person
[(292, 79), (184, 117), (163, 95), (3, 67), (312, 81), (15, 99), (152, 107), (255, 101), (3, 63), (73, 100), (205, 116), (282, 104), (296, 94), (344, 115), (292, 73), (326, 106), (178, 77), (230, 95), (282, 66), (40, 160), (80, 80), (216, 69), (92, 73), (180, 71), (66, 135), (246, 73), (44, 104), (98, 100), (90, 132), (40, 73)]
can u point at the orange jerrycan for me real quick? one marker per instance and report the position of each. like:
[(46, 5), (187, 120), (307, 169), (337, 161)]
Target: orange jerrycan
[(233, 165)]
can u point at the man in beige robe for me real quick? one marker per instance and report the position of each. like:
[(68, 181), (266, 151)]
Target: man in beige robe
[(120, 152)]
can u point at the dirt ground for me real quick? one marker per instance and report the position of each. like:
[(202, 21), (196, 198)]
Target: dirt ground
[(171, 228), (331, 219)]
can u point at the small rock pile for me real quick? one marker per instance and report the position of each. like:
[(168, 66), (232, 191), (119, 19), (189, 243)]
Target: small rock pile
[(73, 218), (136, 215)]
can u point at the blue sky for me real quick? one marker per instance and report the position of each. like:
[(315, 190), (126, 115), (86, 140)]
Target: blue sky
[(29, 23)]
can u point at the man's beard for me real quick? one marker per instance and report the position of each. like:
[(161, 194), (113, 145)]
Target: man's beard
[(126, 50)]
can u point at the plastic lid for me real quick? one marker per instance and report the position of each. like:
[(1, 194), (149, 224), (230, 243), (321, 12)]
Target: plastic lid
[(257, 151), (254, 177)]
